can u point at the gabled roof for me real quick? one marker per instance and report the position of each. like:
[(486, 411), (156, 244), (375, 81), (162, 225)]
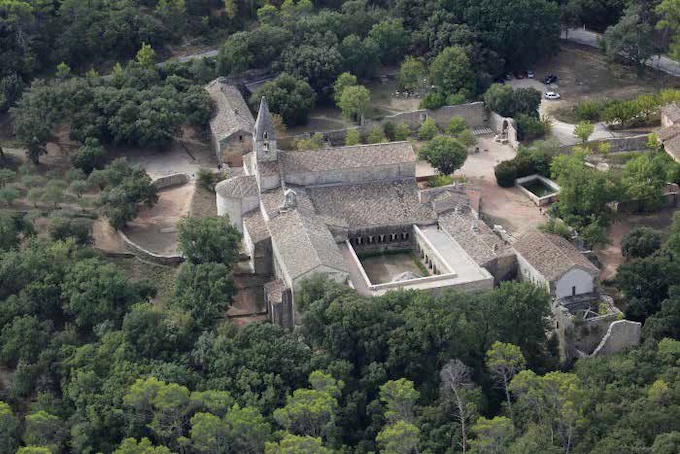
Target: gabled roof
[(356, 156), (672, 111), (232, 114), (237, 187), (371, 204), (264, 123), (551, 255), (304, 243), (474, 236)]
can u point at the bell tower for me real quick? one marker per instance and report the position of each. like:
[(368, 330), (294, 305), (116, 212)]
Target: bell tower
[(265, 135)]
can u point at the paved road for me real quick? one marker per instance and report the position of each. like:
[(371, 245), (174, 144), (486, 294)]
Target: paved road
[(205, 54), (588, 38)]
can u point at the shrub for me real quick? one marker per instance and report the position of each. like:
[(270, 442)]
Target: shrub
[(428, 129), (402, 131), (433, 101), (529, 127), (312, 143), (506, 174), (206, 179), (455, 98), (376, 135), (352, 137), (389, 129), (90, 156), (556, 227)]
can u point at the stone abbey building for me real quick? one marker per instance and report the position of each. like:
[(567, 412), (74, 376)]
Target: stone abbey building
[(320, 211)]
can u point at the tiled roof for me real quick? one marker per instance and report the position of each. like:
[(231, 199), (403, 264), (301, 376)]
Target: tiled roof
[(672, 147), (474, 236), (372, 204), (232, 114), (357, 156), (256, 226), (672, 111), (237, 187), (304, 243), (551, 255), (669, 132)]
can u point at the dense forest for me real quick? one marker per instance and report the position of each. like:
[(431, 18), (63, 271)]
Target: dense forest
[(98, 368), (92, 361)]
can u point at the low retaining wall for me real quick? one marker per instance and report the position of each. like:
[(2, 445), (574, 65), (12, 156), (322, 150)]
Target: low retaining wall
[(539, 201), (176, 179), (618, 144), (145, 254), (474, 114)]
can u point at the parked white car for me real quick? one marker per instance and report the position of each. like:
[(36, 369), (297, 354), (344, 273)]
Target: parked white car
[(530, 74), (551, 95)]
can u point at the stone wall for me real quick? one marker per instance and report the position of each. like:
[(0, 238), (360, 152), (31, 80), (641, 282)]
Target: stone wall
[(429, 254), (474, 114), (619, 144), (498, 122), (146, 255), (176, 179), (621, 334), (382, 239)]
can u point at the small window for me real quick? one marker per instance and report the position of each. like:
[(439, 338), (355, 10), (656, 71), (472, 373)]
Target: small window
[(266, 135), (573, 290), (240, 138)]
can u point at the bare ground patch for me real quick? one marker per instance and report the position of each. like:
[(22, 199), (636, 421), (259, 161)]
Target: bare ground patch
[(155, 228)]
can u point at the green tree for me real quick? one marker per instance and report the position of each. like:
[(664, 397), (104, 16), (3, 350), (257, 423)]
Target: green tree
[(9, 195), (446, 154), (630, 38), (54, 192), (6, 176), (209, 433), (355, 101), (63, 70), (343, 81), (204, 240), (90, 156), (146, 56), (44, 429), (428, 129), (295, 444), (411, 74), (673, 242), (205, 291), (311, 412), (248, 429), (644, 178), (126, 189), (318, 64), (670, 19), (399, 398), (504, 361), (144, 446), (493, 435), (583, 131), (451, 72), (400, 437), (79, 187), (34, 149), (353, 137), (97, 292), (314, 142), (289, 97), (640, 242), (34, 450), (392, 39), (456, 126), (9, 429)]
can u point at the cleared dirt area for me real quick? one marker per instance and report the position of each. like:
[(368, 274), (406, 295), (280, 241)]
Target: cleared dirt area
[(585, 73), (155, 228), (610, 257)]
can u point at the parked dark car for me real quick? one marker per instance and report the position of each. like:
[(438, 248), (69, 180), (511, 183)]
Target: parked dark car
[(551, 79), (520, 74)]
